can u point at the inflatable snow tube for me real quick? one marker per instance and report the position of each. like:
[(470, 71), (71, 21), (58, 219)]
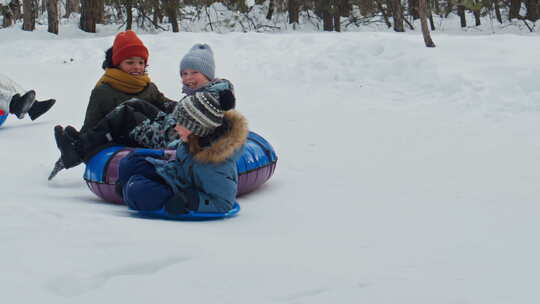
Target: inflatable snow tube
[(256, 166), (3, 117)]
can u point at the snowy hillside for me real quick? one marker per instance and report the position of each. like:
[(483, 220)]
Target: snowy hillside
[(405, 175)]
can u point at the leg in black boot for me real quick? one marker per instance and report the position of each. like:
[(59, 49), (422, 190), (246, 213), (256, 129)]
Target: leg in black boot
[(40, 107), (68, 148), (20, 105)]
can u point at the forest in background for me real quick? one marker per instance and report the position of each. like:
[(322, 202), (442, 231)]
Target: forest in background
[(266, 15)]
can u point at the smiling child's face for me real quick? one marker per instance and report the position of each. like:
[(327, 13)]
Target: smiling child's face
[(193, 79), (134, 66)]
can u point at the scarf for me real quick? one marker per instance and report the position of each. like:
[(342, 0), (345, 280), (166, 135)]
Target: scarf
[(123, 81)]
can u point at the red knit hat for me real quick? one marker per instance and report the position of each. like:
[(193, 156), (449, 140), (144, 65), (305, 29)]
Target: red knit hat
[(127, 45)]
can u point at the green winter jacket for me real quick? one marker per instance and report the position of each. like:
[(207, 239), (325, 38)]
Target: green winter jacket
[(105, 98)]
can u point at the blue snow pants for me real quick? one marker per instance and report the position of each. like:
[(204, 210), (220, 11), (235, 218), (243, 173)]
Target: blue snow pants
[(142, 188)]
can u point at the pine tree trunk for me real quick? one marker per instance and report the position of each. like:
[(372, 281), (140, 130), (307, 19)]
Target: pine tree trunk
[(89, 15), (513, 13), (158, 15), (52, 15), (461, 13), (431, 23), (337, 22), (497, 11), (129, 14), (270, 10), (100, 11), (171, 8), (328, 24), (72, 6), (366, 7), (413, 9), (29, 15), (436, 8), (532, 10), (43, 7), (15, 7), (397, 12), (476, 14), (293, 7), (7, 14), (422, 7)]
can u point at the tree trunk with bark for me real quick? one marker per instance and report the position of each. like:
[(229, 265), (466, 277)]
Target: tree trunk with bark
[(29, 15), (498, 14), (293, 6), (129, 14), (72, 6), (532, 10), (461, 13), (171, 9), (100, 17), (431, 22), (89, 15), (43, 7), (337, 23), (422, 8), (7, 14), (15, 7), (513, 12), (413, 9), (270, 12), (476, 14), (397, 13), (157, 17), (52, 16), (328, 21)]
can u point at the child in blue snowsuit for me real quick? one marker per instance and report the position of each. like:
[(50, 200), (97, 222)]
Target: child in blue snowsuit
[(203, 177)]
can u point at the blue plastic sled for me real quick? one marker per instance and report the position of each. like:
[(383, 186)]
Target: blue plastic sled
[(191, 216)]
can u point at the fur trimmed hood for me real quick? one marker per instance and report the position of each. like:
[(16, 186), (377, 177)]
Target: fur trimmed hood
[(228, 144)]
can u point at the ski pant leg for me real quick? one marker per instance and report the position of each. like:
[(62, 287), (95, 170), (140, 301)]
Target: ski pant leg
[(136, 164), (142, 187), (142, 193)]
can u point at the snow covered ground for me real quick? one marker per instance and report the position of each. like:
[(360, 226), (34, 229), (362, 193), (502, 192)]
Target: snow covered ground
[(405, 175)]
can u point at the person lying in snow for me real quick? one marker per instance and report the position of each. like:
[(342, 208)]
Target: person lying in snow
[(137, 123), (15, 100), (203, 177), (125, 78)]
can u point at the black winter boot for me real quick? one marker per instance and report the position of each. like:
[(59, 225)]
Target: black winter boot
[(40, 107), (70, 155), (20, 105)]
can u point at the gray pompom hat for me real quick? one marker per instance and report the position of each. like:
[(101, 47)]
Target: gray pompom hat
[(200, 58), (200, 113)]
